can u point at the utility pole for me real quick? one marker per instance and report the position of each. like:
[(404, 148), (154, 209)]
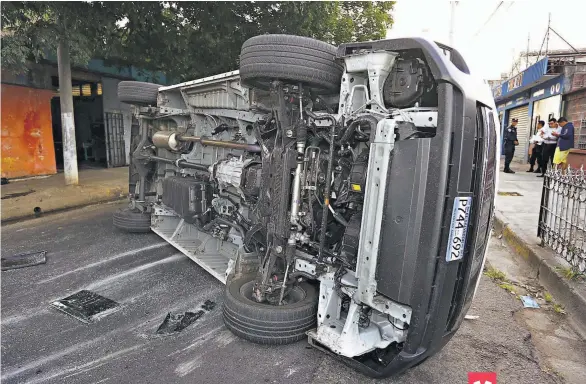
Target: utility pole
[(452, 21), (547, 36), (527, 52), (67, 121)]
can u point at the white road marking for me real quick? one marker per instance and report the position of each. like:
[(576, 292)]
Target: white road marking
[(200, 340), (224, 338), (187, 367), (291, 372), (104, 261), (87, 366), (49, 358), (110, 279), (23, 317)]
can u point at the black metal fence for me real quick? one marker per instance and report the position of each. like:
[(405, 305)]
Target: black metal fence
[(562, 217)]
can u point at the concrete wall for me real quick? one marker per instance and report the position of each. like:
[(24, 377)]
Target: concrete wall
[(27, 134), (112, 104)]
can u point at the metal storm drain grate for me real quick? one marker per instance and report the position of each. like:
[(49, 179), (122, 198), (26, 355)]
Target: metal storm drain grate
[(86, 306), (500, 193), (23, 260)]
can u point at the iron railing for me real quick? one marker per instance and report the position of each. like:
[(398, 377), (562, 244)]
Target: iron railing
[(562, 217)]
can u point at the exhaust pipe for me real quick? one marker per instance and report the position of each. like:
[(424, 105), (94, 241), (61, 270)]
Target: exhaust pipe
[(175, 142)]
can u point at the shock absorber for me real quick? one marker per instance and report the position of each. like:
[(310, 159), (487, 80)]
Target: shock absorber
[(301, 139)]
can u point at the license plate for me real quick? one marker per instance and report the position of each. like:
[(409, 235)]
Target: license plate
[(458, 228)]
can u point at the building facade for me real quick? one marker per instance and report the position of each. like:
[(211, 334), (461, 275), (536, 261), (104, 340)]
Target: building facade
[(552, 87), (31, 118), (532, 95)]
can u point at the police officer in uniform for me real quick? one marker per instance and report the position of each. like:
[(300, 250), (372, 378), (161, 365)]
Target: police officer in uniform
[(510, 141)]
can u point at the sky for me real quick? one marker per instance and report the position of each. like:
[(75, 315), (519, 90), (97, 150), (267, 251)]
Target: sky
[(489, 50)]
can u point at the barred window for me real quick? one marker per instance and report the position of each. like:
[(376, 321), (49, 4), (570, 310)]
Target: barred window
[(582, 134)]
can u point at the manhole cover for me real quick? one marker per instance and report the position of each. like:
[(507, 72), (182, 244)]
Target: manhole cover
[(86, 306), (509, 193)]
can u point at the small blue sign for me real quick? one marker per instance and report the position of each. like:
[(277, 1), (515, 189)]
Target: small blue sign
[(528, 76)]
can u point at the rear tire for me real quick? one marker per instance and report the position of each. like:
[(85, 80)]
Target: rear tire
[(296, 59), (268, 324), (138, 92), (130, 220)]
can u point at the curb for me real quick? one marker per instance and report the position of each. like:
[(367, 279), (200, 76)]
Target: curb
[(21, 218), (543, 261)]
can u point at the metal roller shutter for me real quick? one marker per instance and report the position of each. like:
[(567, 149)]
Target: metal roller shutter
[(523, 127)]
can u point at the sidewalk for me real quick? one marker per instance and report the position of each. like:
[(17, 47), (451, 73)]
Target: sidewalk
[(50, 194), (516, 219)]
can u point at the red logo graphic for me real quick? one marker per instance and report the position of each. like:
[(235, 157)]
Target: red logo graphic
[(481, 377)]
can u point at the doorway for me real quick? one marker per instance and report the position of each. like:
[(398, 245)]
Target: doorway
[(90, 138), (545, 109)]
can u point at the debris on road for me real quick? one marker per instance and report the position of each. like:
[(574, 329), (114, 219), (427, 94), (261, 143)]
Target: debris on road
[(471, 317), (17, 194), (208, 305), (529, 302), (86, 306), (177, 322), (23, 260)]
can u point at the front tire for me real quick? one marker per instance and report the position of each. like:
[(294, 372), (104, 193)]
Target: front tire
[(296, 59), (263, 323)]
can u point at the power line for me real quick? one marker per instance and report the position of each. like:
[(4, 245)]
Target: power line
[(489, 18)]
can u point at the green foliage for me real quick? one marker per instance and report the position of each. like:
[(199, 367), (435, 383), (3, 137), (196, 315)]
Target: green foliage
[(495, 274), (507, 287), (558, 308), (548, 297), (186, 40), (195, 39), (570, 273), (31, 30)]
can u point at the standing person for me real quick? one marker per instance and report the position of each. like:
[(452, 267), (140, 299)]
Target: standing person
[(510, 141), (536, 153), (565, 143), (549, 145)]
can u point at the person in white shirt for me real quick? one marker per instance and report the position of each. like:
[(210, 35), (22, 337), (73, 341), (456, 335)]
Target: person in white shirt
[(536, 153), (548, 146)]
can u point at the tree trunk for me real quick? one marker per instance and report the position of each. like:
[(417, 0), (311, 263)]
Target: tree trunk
[(67, 121)]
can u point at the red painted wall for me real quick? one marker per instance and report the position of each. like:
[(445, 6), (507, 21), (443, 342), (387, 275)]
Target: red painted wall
[(27, 134)]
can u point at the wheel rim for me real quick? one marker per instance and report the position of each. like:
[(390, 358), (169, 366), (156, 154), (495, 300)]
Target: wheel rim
[(294, 296)]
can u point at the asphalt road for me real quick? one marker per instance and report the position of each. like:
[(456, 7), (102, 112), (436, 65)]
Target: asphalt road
[(150, 279)]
